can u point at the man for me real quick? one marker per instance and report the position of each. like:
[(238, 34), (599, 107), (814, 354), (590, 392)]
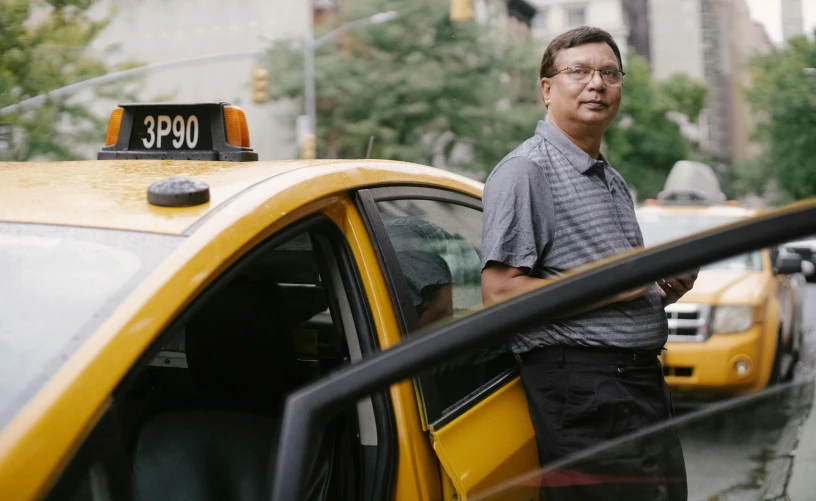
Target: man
[(554, 204), (416, 242)]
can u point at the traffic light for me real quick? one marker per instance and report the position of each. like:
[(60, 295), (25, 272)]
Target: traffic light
[(461, 10), (260, 85)]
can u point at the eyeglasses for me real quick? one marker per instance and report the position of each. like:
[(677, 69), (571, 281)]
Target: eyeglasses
[(583, 75)]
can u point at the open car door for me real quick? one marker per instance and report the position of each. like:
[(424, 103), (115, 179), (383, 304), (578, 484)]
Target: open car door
[(310, 408)]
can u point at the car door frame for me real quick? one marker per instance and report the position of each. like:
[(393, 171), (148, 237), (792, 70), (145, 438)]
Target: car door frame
[(307, 409), (378, 484), (367, 200)]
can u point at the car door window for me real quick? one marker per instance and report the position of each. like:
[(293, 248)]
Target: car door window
[(201, 413), (436, 242)]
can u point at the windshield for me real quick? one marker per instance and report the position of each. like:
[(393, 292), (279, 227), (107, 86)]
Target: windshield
[(58, 284), (658, 229)]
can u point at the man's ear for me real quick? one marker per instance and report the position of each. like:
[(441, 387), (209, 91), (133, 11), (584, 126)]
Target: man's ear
[(546, 88)]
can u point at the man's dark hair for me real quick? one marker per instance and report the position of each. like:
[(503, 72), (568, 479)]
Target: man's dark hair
[(573, 38)]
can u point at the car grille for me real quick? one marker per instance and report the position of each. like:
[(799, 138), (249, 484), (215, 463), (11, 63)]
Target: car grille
[(688, 322)]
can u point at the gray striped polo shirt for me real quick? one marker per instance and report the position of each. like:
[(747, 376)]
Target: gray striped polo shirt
[(550, 207)]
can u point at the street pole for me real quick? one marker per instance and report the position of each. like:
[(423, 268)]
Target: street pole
[(308, 145)]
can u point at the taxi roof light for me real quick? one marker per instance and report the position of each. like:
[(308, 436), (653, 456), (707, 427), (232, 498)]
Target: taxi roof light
[(236, 124), (179, 131), (114, 124)]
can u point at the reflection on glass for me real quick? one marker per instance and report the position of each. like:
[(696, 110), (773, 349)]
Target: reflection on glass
[(658, 229), (58, 284), (732, 451), (437, 245)]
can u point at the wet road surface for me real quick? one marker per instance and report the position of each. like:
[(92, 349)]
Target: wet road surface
[(727, 454)]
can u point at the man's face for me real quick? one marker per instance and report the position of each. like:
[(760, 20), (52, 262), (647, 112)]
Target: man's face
[(594, 103)]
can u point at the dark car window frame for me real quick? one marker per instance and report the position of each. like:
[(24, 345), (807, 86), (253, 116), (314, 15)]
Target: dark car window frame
[(397, 286), (380, 477), (307, 409)]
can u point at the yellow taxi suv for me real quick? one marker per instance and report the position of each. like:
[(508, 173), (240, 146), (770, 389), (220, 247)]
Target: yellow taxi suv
[(740, 328), (182, 321)]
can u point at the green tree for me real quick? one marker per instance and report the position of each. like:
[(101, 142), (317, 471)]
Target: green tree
[(421, 85), (44, 46), (643, 143), (683, 94), (783, 97)]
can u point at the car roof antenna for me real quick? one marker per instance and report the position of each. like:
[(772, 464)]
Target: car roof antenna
[(370, 145)]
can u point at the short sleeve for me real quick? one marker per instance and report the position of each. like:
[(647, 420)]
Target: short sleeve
[(519, 216)]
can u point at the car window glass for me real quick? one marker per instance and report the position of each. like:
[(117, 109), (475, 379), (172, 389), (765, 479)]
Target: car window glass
[(658, 229), (438, 251), (755, 436), (57, 284), (755, 439)]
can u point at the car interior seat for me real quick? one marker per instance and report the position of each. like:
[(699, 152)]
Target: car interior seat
[(224, 448)]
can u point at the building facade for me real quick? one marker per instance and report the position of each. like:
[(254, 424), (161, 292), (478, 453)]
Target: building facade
[(747, 39), (554, 17), (636, 15), (792, 19), (155, 31), (711, 41)]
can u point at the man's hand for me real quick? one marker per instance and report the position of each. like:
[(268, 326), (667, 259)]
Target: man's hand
[(674, 288)]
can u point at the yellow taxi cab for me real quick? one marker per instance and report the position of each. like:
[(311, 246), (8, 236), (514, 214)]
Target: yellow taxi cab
[(182, 321), (177, 276), (740, 328)]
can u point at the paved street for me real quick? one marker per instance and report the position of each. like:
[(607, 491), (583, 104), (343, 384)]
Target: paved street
[(731, 456)]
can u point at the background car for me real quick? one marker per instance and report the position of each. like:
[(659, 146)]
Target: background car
[(740, 328)]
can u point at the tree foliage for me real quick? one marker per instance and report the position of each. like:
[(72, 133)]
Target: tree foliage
[(429, 90), (783, 97), (423, 86), (683, 94), (44, 45), (643, 143)]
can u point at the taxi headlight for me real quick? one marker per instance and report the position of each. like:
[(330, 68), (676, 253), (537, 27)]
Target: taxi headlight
[(731, 319)]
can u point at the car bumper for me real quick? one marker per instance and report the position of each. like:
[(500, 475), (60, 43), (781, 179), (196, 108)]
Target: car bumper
[(724, 364)]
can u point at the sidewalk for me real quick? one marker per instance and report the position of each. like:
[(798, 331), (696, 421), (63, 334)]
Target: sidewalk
[(802, 484)]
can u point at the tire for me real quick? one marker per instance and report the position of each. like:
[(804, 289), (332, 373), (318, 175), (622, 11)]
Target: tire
[(776, 377)]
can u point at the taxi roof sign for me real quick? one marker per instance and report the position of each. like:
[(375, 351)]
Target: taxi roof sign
[(182, 131)]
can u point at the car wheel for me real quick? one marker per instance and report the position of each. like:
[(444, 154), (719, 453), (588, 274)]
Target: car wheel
[(795, 352), (776, 376)]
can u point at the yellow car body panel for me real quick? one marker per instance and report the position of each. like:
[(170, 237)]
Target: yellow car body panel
[(711, 367), (730, 287), (418, 472), (112, 194), (471, 467), (38, 441)]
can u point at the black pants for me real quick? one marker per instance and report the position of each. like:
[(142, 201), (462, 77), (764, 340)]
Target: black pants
[(580, 399)]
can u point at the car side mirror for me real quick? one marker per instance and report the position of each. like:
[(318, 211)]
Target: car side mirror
[(788, 263)]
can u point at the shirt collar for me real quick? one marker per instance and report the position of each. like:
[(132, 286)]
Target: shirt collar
[(579, 159)]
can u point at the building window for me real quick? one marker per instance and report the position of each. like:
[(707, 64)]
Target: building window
[(576, 16), (540, 21)]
